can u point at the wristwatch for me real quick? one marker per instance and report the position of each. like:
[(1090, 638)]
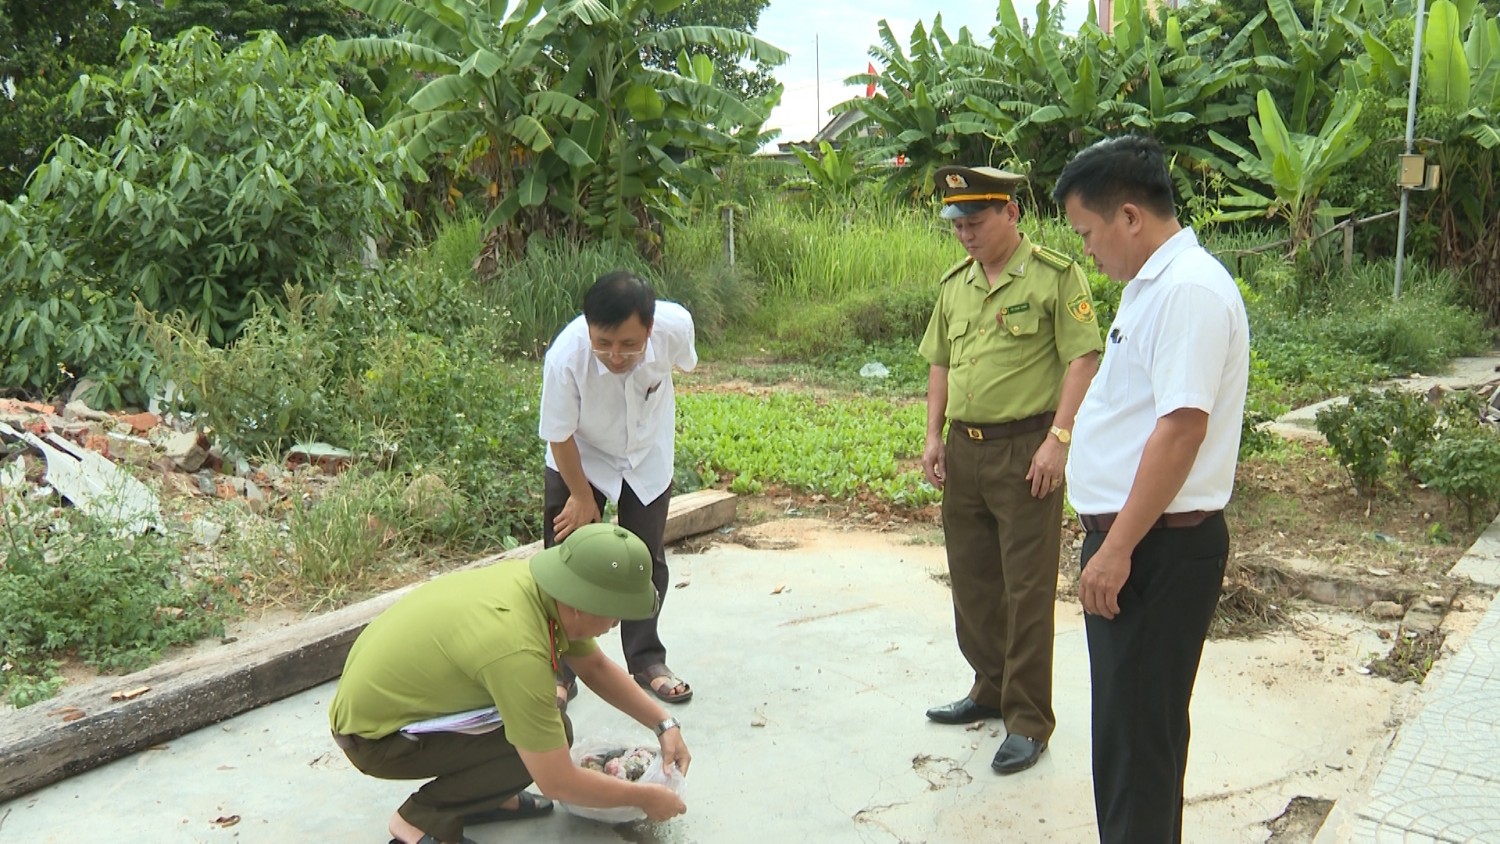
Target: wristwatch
[(1063, 435), (668, 724)]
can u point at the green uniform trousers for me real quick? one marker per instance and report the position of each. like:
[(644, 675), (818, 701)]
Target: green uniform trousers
[(1003, 550), (471, 773)]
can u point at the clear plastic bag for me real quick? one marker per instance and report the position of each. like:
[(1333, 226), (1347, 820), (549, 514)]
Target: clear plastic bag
[(617, 746)]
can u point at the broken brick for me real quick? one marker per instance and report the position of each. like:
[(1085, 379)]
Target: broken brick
[(140, 423)]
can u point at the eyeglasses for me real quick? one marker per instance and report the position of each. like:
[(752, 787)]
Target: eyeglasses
[(618, 353)]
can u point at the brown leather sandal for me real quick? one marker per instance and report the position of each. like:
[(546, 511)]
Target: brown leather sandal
[(664, 693)]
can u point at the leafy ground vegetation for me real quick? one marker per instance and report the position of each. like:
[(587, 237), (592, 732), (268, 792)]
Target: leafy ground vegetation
[(278, 241)]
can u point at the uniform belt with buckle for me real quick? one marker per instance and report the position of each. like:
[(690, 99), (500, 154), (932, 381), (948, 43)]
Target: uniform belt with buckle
[(1001, 430)]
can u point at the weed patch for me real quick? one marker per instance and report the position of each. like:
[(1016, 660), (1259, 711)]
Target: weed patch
[(69, 586), (1411, 656)]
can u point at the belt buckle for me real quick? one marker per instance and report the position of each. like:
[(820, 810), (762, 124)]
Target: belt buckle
[(974, 433)]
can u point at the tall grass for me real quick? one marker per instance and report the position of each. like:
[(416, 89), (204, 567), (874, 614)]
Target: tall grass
[(544, 290), (819, 257)]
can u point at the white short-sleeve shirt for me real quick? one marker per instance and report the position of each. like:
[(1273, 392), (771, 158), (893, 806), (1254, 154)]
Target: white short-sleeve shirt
[(624, 425), (1181, 339)]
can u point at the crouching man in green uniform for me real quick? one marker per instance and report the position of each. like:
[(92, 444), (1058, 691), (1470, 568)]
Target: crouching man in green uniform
[(1012, 344), (496, 636)]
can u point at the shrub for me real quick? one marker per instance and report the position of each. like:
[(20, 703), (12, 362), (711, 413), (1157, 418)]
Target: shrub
[(449, 409), (850, 323), (225, 178), (1464, 465), (1359, 433), (1408, 335), (1413, 422), (273, 386)]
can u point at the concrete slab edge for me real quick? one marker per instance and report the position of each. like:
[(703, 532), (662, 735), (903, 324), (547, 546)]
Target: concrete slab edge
[(203, 688), (1480, 564)]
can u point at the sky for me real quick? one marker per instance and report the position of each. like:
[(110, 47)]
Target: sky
[(829, 40)]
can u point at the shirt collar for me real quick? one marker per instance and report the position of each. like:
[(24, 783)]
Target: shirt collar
[(1166, 253), (1014, 266)]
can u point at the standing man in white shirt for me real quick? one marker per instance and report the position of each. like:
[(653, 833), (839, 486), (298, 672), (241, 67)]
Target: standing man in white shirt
[(609, 417), (1152, 466)]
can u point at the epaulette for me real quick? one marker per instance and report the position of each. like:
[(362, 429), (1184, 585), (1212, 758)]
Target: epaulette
[(1051, 257), (956, 269)]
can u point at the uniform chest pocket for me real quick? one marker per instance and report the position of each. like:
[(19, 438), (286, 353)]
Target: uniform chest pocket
[(1016, 330), (1020, 325)]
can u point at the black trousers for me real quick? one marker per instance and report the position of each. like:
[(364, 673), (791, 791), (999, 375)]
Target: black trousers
[(470, 773), (1142, 665), (642, 644)]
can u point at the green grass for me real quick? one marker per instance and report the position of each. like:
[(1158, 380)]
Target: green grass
[(841, 447)]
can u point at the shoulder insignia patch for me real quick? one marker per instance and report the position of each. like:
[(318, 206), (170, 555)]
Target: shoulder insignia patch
[(1080, 308), (955, 270), (1052, 257)]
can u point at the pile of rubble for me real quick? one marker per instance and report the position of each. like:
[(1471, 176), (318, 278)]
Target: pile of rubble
[(78, 449)]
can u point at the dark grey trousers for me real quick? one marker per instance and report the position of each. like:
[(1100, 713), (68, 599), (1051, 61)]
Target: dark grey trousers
[(642, 644)]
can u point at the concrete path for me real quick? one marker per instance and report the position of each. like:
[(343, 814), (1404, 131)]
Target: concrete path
[(1462, 373), (1441, 779), (807, 726)]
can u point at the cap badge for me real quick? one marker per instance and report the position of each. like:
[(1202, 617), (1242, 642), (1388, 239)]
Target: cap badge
[(955, 181)]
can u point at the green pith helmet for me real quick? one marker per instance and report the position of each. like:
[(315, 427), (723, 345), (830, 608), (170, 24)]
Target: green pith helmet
[(604, 570)]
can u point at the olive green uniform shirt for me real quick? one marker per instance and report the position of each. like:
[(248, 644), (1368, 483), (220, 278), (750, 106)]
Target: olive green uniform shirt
[(466, 640), (1006, 347)]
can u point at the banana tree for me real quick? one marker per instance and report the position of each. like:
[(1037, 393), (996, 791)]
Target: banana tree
[(1460, 96), (552, 103), (916, 110), (1294, 166), (1031, 91), (1305, 63)]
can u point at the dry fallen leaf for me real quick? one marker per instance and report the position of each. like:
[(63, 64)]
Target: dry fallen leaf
[(227, 820), (780, 587), (130, 695), (71, 713)]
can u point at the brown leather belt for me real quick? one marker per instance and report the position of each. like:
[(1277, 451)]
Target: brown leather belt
[(1001, 430), (1192, 518)]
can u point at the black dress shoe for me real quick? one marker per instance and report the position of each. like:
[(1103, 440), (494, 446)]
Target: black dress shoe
[(962, 711), (1017, 753)]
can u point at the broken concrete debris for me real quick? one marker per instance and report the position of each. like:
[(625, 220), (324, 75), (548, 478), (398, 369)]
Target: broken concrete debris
[(188, 450), (94, 484), (80, 447)]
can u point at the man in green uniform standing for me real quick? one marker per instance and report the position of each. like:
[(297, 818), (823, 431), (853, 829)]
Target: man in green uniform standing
[(1012, 344), (494, 637)]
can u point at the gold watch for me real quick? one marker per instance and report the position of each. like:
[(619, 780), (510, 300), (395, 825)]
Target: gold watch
[(1063, 435)]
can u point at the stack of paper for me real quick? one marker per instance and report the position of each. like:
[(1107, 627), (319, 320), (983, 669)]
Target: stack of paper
[(473, 722)]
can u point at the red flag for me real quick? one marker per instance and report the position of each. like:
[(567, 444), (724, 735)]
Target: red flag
[(870, 87)]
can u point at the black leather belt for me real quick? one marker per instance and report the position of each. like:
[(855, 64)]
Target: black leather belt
[(1001, 430), (1192, 518)]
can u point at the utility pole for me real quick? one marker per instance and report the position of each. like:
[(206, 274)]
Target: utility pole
[(1411, 130), (817, 86)]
